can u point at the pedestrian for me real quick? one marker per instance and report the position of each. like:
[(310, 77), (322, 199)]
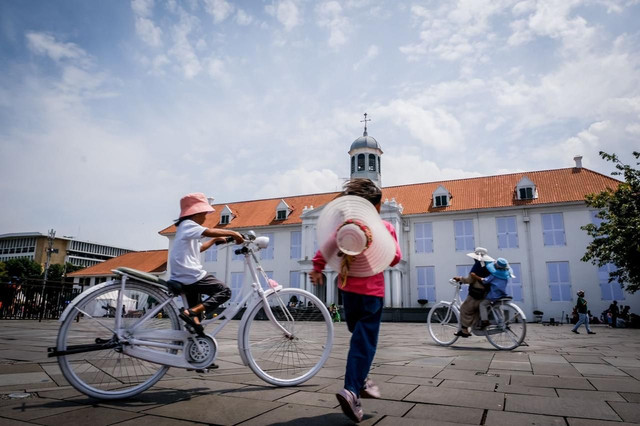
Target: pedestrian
[(477, 290), (614, 311), (358, 244), (583, 314)]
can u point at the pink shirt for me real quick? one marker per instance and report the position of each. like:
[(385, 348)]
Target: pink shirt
[(371, 286)]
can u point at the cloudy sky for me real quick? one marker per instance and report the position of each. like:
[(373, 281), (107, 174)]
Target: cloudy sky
[(110, 111)]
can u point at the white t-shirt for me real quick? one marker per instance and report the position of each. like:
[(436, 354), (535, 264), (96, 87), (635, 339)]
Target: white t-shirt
[(184, 257)]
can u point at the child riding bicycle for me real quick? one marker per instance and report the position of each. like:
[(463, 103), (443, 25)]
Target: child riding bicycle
[(184, 260)]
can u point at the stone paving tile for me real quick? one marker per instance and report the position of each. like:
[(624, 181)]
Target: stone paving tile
[(631, 397), (95, 416), (623, 361), (632, 371), (30, 409), (26, 379), (547, 359), (457, 397), (305, 415), (199, 386), (625, 384), (382, 407), (426, 372), (475, 365), (471, 376), (146, 400), (590, 395), (629, 412), (415, 381), (458, 384), (589, 359), (434, 361), (567, 407), (599, 370), (429, 412), (317, 399), (391, 391), (214, 409), (510, 365), (19, 368), (264, 393), (405, 421), (11, 422), (526, 390), (555, 369), (554, 382), (510, 372), (157, 421), (506, 418), (589, 422)]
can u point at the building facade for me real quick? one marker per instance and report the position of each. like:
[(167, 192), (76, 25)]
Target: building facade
[(33, 246), (532, 219)]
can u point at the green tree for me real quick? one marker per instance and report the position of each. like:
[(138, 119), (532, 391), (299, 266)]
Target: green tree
[(617, 239), (23, 268)]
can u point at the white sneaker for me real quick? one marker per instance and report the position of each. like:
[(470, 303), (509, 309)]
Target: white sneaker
[(350, 405), (370, 390)]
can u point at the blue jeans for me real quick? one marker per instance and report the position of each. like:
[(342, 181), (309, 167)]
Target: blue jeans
[(582, 319), (363, 314)]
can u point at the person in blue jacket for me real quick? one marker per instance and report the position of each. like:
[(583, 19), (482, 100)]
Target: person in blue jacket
[(500, 275)]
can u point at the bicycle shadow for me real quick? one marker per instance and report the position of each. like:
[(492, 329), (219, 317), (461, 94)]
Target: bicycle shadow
[(333, 419)]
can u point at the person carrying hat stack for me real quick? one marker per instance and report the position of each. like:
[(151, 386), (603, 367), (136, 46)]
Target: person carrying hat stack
[(583, 316), (357, 243), (184, 260), (500, 275), (477, 290)]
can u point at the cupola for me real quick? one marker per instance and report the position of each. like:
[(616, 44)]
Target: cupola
[(365, 153)]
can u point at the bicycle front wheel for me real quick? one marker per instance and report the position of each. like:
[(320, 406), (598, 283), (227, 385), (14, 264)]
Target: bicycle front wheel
[(109, 373), (509, 326), (443, 321), (284, 360)]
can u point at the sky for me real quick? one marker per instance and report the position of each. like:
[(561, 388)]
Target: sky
[(110, 111)]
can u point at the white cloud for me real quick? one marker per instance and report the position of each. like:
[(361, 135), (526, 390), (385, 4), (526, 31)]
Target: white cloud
[(142, 8), (46, 44), (405, 169), (286, 12), (372, 52), (330, 16), (299, 181), (219, 9), (243, 18), (149, 32)]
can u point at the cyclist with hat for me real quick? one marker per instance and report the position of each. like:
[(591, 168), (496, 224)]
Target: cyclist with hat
[(500, 275), (477, 290)]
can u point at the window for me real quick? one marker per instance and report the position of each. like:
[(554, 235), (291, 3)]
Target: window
[(360, 162), (267, 254), (424, 237), (507, 232), (224, 219), (237, 279), (464, 235), (526, 193), (294, 279), (514, 288), (211, 255), (609, 290), (559, 281), (441, 201), (379, 168), (353, 164), (426, 283), (463, 271), (372, 163), (553, 229), (295, 251), (281, 215)]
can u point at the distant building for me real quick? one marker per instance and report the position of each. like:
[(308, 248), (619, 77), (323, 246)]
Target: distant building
[(33, 245), (152, 261), (532, 219)]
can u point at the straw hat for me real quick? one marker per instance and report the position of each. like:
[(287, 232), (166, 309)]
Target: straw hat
[(194, 203), (480, 254), (351, 226)]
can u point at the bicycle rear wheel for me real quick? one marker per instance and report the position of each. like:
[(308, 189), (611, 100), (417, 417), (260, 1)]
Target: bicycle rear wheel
[(288, 361), (443, 321), (109, 373), (509, 326)]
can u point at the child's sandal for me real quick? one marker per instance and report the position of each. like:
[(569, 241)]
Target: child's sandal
[(186, 317)]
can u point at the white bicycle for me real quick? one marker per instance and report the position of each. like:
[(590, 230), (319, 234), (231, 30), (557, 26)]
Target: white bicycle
[(120, 337), (507, 329)]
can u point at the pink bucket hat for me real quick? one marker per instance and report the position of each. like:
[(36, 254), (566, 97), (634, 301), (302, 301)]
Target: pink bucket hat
[(194, 203), (351, 226)]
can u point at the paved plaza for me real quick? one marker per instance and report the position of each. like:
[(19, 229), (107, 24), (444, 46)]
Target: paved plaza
[(559, 378)]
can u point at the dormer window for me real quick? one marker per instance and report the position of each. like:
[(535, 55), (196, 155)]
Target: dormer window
[(226, 216), (441, 197), (282, 210), (526, 189)]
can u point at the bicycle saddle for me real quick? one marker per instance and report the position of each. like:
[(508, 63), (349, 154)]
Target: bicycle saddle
[(173, 286)]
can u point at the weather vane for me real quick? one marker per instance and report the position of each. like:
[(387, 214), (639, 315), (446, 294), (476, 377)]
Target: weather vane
[(365, 124)]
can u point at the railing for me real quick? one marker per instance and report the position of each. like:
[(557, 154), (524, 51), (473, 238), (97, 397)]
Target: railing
[(26, 300)]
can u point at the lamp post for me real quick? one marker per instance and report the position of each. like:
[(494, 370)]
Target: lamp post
[(50, 249)]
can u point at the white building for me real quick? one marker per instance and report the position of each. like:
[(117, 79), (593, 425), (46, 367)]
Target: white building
[(532, 219)]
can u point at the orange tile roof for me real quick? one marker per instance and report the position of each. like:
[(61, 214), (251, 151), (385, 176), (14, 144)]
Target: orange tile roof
[(553, 186), (152, 261)]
